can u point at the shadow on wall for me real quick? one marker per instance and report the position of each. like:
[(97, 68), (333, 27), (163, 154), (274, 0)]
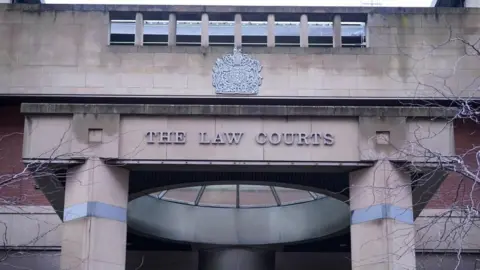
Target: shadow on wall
[(172, 260)]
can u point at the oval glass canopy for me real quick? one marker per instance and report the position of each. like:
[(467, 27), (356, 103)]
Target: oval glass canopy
[(237, 196)]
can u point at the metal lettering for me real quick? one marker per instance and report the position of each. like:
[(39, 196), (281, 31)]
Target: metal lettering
[(328, 139), (261, 138), (302, 139), (150, 136), (316, 138), (285, 138), (180, 137), (219, 139), (203, 138), (164, 137), (234, 137), (277, 141)]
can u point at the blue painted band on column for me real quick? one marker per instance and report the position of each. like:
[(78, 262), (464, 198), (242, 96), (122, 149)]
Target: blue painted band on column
[(95, 209), (382, 211)]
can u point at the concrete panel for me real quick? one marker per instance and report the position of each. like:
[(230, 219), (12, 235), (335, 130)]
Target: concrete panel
[(47, 137), (272, 145)]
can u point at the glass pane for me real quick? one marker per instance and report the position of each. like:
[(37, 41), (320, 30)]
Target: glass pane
[(187, 195), (251, 196), (289, 195), (219, 195)]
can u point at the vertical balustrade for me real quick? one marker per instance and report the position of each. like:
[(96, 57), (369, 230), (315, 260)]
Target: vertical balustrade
[(172, 29), (204, 32), (303, 31), (337, 31), (139, 26), (238, 30), (271, 30)]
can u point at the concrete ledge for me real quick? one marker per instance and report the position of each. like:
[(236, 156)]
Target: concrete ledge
[(248, 50), (231, 9), (236, 110)]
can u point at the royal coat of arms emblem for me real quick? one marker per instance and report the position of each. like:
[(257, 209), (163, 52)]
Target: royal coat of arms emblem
[(237, 73)]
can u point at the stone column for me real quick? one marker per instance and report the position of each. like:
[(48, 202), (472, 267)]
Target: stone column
[(172, 29), (271, 30), (204, 32), (303, 31), (139, 28), (238, 30), (382, 230), (95, 228), (337, 31), (236, 258)]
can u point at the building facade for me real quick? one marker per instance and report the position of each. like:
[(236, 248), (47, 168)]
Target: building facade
[(220, 137)]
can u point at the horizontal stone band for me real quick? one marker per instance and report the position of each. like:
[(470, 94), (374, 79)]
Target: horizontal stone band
[(95, 209), (382, 211), (235, 110)]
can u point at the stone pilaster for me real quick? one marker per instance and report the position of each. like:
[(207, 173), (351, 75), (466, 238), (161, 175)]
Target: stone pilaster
[(382, 230), (95, 228)]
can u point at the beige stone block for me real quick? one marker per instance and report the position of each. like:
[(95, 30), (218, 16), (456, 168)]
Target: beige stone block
[(47, 137), (343, 131), (336, 61), (279, 92), (305, 61), (425, 137), (107, 128), (133, 143), (5, 45), (172, 80), (108, 240), (64, 79), (201, 61), (308, 79), (137, 80), (277, 78), (170, 59), (390, 81), (340, 82), (380, 184), (331, 93), (10, 17), (374, 64), (276, 60), (95, 181), (136, 62), (247, 149), (46, 17), (5, 77), (34, 74), (6, 223), (382, 242), (54, 45), (192, 149), (287, 125), (103, 79), (91, 18)]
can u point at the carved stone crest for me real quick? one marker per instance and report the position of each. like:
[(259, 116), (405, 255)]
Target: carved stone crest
[(237, 73)]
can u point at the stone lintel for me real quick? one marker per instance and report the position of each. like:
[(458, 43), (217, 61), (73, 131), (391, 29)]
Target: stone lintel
[(237, 110), (326, 10)]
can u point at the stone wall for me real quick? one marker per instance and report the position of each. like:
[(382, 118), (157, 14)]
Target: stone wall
[(411, 54)]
